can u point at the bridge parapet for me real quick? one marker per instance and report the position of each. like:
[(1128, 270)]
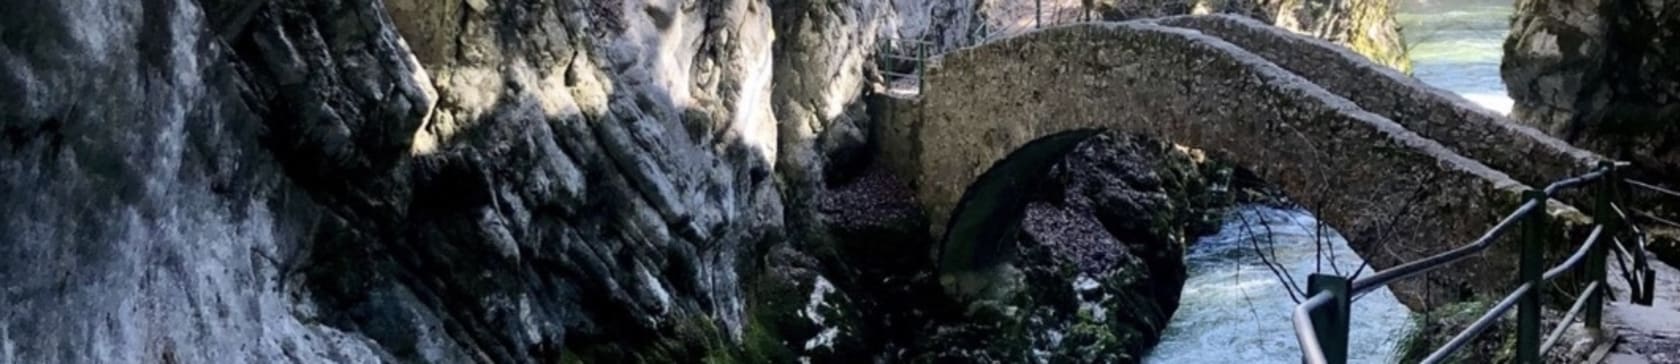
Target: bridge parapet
[(1527, 154)]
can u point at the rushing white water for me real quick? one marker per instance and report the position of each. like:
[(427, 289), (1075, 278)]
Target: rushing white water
[(1457, 46), (1235, 310)]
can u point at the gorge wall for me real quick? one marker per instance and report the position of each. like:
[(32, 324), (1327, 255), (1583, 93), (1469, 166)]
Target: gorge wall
[(476, 181), (358, 180), (1604, 75)]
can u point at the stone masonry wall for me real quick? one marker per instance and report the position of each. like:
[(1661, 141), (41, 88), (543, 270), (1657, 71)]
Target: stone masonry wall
[(1394, 194)]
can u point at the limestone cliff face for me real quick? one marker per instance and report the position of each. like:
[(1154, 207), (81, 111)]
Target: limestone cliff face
[(421, 181), (144, 216), (1604, 75), (1366, 26)]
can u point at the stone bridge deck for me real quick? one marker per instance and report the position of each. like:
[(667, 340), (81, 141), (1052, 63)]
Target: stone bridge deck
[(1403, 170)]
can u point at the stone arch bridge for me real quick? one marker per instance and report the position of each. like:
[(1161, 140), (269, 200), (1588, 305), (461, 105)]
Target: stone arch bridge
[(1402, 169)]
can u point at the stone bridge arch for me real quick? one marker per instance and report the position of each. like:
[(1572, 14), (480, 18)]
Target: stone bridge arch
[(1395, 195)]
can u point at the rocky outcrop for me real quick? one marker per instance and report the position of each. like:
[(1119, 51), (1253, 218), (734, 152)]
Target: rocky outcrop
[(1604, 75), (584, 185)]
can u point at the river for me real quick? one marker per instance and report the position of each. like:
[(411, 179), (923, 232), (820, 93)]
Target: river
[(1456, 45), (1235, 309)]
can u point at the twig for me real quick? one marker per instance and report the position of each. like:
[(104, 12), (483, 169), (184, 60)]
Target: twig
[(1282, 275)]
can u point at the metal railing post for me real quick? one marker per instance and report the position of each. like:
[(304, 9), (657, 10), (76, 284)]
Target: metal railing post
[(1038, 14), (1650, 283), (1645, 294), (1529, 272), (1331, 321), (1605, 214)]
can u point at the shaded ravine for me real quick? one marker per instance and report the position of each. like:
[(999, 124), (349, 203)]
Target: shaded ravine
[(1234, 309)]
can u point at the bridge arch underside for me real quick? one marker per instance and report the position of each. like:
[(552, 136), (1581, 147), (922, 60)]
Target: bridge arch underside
[(1395, 195)]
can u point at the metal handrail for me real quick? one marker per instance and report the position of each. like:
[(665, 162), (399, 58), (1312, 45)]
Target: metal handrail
[(1414, 268), (1592, 251), (1488, 319), (1640, 261), (1481, 324), (1552, 189), (1574, 310), (1311, 350), (1652, 187), (1622, 257), (915, 51), (1658, 219), (1623, 214), (1575, 259), (1407, 270)]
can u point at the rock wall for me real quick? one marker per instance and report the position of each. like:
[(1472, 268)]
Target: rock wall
[(417, 181), (1604, 75), (143, 217)]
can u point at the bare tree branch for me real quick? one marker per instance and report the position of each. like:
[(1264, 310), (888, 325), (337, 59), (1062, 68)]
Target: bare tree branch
[(1280, 272)]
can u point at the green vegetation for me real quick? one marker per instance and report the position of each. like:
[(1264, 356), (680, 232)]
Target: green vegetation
[(1434, 328)]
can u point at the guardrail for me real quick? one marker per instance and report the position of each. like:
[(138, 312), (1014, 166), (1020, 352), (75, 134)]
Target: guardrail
[(1321, 321), (917, 51), (914, 51)]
